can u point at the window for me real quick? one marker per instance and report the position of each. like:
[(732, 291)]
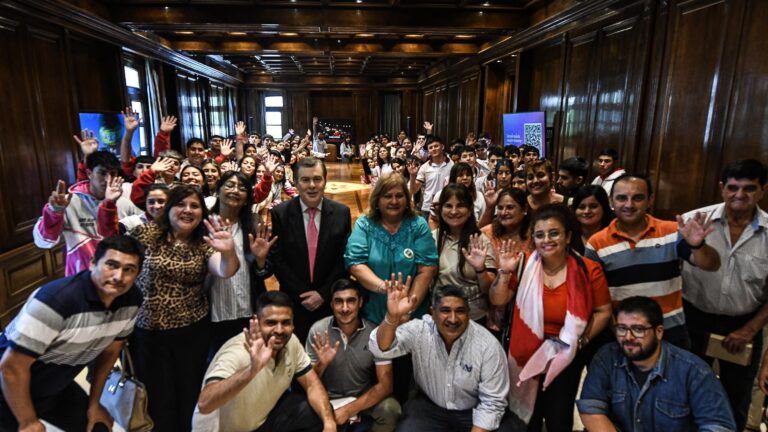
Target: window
[(273, 115), (217, 102), (137, 97)]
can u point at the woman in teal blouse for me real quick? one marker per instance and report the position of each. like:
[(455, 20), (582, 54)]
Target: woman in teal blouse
[(389, 239)]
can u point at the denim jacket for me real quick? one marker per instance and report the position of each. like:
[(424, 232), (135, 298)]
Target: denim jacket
[(680, 394)]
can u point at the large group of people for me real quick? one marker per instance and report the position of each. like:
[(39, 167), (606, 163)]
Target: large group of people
[(472, 294)]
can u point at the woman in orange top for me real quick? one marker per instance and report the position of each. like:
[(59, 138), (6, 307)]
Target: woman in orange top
[(561, 301)]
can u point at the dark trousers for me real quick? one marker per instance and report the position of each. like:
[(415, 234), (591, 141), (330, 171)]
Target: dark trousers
[(171, 364), (292, 413), (66, 410), (554, 406), (223, 331), (402, 377), (421, 414), (736, 379)]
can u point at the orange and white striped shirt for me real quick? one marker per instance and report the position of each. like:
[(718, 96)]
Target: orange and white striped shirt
[(647, 267)]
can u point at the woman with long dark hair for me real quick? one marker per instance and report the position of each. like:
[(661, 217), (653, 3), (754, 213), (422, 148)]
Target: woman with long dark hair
[(172, 334), (232, 299), (560, 301), (466, 256), (592, 209)]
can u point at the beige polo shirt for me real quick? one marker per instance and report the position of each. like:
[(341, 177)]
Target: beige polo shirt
[(250, 408)]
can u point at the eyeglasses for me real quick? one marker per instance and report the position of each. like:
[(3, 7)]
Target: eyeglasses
[(552, 234), (637, 331), (235, 186)]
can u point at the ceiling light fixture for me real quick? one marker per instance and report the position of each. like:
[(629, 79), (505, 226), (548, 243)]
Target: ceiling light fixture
[(358, 1), (289, 34), (414, 36), (238, 33), (365, 35), (464, 36), (486, 4), (185, 33)]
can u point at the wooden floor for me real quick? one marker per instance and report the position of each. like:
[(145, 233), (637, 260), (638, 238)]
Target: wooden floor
[(344, 173)]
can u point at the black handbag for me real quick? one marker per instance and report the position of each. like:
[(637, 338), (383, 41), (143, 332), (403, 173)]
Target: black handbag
[(125, 398)]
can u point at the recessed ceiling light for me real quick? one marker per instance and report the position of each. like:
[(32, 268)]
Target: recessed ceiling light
[(498, 61), (365, 35), (338, 40), (237, 33), (414, 36), (166, 8), (464, 36), (185, 33), (486, 3), (289, 34), (358, 1)]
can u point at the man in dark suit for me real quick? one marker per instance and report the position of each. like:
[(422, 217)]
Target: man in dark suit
[(308, 255)]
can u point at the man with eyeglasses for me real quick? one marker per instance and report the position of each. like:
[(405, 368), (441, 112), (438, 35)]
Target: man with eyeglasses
[(733, 301), (646, 384)]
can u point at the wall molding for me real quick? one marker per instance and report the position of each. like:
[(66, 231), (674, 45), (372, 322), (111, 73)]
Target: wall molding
[(79, 20)]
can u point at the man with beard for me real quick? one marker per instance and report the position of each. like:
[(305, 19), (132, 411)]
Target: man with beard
[(646, 384), (245, 386), (459, 366), (338, 347)]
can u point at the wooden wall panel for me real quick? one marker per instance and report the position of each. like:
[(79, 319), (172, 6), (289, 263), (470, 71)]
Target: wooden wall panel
[(575, 138), (21, 272), (363, 117), (97, 71), (747, 129), (331, 105), (428, 107), (686, 138), (623, 60)]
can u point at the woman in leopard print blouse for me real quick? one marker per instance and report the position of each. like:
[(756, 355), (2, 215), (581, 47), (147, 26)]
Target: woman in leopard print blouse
[(170, 342)]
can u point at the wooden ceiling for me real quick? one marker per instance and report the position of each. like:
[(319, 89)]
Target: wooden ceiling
[(289, 39)]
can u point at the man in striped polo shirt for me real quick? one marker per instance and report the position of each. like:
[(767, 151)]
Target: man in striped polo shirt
[(65, 325), (641, 254)]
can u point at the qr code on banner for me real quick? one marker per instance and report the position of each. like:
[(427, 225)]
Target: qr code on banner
[(532, 134)]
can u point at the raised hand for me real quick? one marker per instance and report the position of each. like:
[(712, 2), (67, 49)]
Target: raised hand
[(219, 236), (131, 119), (262, 153), (259, 351), (114, 188), (240, 128), (229, 166), (428, 126), (262, 242), (162, 165), (271, 162), (227, 147), (323, 348), (696, 229), (60, 199), (400, 302), (87, 142), (508, 258), (491, 195), (475, 254), (168, 124)]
